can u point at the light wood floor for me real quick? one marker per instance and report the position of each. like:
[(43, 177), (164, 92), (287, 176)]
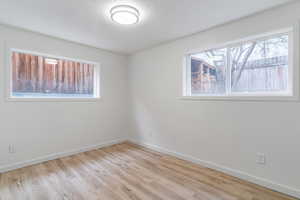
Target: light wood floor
[(126, 171)]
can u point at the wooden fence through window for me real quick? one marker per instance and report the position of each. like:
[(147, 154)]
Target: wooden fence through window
[(32, 74), (269, 74)]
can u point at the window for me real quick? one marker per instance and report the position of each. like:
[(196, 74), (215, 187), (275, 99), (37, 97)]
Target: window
[(250, 68), (39, 76), (208, 72), (260, 66)]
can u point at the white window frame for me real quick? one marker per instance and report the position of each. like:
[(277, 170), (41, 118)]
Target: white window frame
[(292, 93), (9, 97)]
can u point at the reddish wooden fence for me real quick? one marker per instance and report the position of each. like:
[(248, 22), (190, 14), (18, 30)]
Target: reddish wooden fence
[(32, 74)]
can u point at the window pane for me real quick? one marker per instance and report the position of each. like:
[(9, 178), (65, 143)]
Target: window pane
[(260, 66), (38, 76), (208, 72)]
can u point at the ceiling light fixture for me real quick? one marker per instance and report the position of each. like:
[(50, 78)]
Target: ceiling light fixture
[(125, 14)]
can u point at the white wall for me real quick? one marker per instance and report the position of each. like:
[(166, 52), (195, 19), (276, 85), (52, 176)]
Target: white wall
[(38, 129), (226, 133)]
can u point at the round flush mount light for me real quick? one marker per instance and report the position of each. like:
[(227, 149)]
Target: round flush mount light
[(125, 14)]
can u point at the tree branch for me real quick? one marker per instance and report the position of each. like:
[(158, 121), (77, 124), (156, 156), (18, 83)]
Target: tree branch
[(248, 54)]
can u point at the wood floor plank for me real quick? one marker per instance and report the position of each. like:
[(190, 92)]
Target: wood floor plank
[(126, 172)]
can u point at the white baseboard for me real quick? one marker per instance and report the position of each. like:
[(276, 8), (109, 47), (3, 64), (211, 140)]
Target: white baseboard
[(239, 174), (242, 175), (57, 155)]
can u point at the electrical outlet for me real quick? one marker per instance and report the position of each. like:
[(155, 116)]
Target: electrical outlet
[(11, 148), (261, 159)]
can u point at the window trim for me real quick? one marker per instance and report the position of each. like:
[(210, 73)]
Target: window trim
[(291, 95), (10, 98)]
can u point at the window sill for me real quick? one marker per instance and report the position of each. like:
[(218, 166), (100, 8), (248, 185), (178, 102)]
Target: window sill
[(47, 99), (278, 98)]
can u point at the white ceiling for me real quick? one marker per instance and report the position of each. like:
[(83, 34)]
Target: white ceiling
[(87, 21)]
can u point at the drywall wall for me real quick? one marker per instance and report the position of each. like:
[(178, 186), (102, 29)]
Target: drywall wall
[(222, 133), (39, 129)]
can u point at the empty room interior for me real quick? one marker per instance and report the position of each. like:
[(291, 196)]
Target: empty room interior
[(149, 100)]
